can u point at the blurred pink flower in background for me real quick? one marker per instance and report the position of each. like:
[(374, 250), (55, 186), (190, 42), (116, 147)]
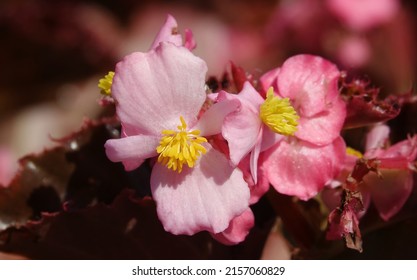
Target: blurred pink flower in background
[(354, 51), (361, 15), (298, 24)]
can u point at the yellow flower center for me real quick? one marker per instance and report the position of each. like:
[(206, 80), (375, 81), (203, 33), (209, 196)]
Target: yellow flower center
[(352, 152), (278, 114), (177, 148), (105, 84)]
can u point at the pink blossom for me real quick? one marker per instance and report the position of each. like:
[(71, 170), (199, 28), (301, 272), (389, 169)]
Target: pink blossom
[(361, 15), (390, 191), (159, 95), (303, 164), (310, 82), (307, 157), (390, 188)]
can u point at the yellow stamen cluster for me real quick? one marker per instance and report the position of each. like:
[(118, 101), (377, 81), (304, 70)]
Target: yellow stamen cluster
[(177, 148), (278, 114), (353, 152), (105, 84)]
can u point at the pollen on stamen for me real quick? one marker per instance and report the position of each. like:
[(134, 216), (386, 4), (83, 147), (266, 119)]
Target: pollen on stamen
[(278, 114), (105, 84), (353, 152), (177, 148)]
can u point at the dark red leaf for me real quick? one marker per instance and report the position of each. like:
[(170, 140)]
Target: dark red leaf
[(127, 229), (364, 106)]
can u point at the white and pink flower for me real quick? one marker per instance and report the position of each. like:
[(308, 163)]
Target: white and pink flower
[(159, 96)]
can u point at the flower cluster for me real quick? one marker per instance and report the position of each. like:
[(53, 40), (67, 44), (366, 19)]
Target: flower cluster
[(282, 130)]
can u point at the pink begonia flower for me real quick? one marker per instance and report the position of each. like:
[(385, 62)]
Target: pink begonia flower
[(159, 95), (167, 33), (361, 15), (397, 164), (390, 189), (310, 82), (302, 165), (303, 131)]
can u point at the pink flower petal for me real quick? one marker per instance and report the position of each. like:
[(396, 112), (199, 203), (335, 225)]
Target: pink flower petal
[(325, 127), (206, 197), (254, 156), (168, 33), (406, 149), (238, 229), (394, 163), (258, 189), (154, 89), (132, 164), (250, 96), (269, 79), (302, 169), (390, 192), (310, 82), (270, 138), (376, 138), (189, 40), (211, 121), (241, 130), (131, 150)]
